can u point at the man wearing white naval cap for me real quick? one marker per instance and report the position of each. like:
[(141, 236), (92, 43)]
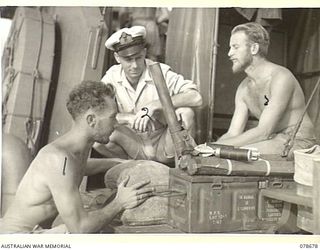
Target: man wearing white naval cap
[(141, 136)]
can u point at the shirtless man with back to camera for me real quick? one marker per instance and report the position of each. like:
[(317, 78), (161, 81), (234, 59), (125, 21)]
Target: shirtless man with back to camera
[(51, 183)]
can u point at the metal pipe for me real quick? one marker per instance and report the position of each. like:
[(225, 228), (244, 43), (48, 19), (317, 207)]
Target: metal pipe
[(217, 166), (213, 63), (238, 154), (164, 97), (227, 152), (289, 143), (183, 142)]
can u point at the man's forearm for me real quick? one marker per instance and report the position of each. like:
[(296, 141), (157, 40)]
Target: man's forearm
[(190, 98), (103, 150), (225, 136), (95, 166), (250, 136), (95, 220), (125, 118)]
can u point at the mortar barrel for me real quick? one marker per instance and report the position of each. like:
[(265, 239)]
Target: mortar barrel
[(168, 108)]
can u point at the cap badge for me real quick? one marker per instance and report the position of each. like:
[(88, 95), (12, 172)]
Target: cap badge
[(125, 38)]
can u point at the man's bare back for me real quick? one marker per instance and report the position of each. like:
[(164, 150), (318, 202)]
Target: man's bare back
[(51, 184)]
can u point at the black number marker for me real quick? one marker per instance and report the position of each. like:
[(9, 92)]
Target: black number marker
[(146, 114), (64, 166), (267, 100)]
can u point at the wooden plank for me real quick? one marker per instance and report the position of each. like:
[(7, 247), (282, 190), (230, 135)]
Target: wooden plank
[(288, 196), (316, 196), (224, 123)]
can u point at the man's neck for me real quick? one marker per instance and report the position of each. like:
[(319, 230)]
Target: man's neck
[(133, 83), (77, 143), (255, 70)]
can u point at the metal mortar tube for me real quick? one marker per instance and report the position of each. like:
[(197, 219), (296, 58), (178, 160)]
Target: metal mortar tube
[(168, 108)]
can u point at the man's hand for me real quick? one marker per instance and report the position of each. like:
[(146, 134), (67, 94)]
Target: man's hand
[(185, 116), (133, 196), (143, 119), (133, 121)]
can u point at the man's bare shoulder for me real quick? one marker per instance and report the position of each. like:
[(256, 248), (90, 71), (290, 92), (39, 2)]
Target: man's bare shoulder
[(281, 74), (51, 151), (52, 157), (243, 86)]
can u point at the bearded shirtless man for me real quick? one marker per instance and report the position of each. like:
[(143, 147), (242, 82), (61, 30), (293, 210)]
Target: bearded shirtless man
[(270, 93), (51, 184)]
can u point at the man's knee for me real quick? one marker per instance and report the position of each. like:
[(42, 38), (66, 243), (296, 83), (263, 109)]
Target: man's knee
[(272, 146), (186, 116), (165, 160), (124, 143), (165, 150), (163, 157)]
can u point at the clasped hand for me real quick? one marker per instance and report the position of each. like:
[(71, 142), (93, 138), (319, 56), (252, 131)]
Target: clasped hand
[(143, 120)]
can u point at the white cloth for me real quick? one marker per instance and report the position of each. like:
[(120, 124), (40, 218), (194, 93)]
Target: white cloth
[(304, 164)]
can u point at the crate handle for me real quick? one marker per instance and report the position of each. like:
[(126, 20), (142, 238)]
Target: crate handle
[(216, 186), (168, 193), (277, 184)]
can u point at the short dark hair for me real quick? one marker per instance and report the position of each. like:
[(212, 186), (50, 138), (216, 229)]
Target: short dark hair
[(88, 95), (255, 33)]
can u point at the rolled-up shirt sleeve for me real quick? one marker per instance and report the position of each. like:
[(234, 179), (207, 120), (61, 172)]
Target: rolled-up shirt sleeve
[(177, 84)]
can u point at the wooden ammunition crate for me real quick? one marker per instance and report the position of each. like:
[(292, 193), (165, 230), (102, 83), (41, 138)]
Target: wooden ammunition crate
[(205, 204)]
